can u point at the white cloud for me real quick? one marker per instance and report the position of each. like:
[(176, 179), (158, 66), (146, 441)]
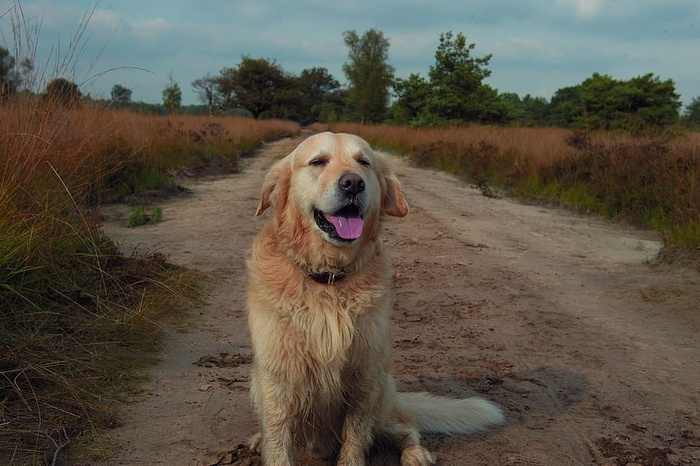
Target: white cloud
[(538, 46), (412, 43), (106, 21), (584, 9), (150, 28), (255, 11)]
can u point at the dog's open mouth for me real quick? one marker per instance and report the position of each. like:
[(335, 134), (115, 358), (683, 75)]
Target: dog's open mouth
[(344, 225)]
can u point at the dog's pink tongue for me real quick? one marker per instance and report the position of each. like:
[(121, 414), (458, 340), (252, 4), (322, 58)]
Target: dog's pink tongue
[(347, 227)]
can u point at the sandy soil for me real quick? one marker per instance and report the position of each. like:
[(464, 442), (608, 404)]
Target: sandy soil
[(592, 352)]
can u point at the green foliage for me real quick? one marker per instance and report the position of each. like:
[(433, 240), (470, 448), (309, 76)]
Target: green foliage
[(120, 95), (13, 75), (8, 81), (316, 97), (638, 104), (206, 88), (63, 91), (369, 75), (455, 92), (139, 216), (692, 113), (261, 88), (255, 85), (412, 95), (456, 79), (566, 107), (172, 95)]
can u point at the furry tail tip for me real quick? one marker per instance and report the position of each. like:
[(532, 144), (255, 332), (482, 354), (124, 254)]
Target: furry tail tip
[(451, 416)]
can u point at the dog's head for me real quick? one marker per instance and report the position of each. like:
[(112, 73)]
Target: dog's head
[(334, 186)]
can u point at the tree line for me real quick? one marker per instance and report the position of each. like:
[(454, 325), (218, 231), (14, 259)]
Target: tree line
[(454, 91)]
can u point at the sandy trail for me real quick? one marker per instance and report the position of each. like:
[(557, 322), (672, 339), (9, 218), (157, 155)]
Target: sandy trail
[(592, 352)]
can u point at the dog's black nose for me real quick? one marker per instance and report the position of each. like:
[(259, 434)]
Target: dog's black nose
[(352, 183)]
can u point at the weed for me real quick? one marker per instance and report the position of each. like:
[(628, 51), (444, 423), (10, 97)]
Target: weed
[(156, 215), (139, 217)]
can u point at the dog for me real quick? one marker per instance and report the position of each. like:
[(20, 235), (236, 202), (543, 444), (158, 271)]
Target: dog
[(318, 313)]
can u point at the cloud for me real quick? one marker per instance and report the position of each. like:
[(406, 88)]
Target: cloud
[(105, 21), (538, 46), (584, 9), (152, 28)]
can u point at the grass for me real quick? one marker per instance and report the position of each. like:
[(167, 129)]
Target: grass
[(650, 181), (78, 319), (139, 217)]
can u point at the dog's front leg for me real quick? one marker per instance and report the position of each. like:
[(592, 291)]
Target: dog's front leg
[(277, 422), (277, 445), (360, 420)]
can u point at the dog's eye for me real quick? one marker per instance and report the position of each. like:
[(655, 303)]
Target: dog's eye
[(317, 162), (364, 162)]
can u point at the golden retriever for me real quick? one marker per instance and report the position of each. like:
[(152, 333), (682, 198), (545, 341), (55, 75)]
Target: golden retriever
[(318, 311)]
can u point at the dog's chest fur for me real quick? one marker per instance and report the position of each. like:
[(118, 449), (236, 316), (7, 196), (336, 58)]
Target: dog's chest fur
[(336, 326), (314, 331)]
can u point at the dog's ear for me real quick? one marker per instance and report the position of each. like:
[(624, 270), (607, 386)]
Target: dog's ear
[(276, 187), (393, 202)]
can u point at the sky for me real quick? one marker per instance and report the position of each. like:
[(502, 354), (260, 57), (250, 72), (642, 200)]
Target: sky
[(537, 46)]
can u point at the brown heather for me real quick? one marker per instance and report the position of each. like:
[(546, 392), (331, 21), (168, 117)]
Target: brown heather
[(651, 181), (77, 318)]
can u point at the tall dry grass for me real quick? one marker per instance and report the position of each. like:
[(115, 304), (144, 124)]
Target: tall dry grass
[(77, 318), (543, 145), (651, 181)]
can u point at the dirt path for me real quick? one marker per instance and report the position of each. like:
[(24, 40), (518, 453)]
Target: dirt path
[(592, 353)]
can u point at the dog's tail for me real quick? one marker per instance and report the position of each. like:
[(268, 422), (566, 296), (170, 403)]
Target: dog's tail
[(449, 415)]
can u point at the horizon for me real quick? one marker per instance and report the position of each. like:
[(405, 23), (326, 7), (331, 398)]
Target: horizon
[(537, 46)]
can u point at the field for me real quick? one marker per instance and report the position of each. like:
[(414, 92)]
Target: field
[(556, 316), (651, 181), (78, 319)]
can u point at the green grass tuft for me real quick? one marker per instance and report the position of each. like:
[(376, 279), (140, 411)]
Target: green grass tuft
[(139, 216)]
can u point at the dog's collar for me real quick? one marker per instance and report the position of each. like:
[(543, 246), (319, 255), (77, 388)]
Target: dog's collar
[(327, 278)]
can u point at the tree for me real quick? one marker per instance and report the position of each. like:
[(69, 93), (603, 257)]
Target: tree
[(255, 85), (692, 112), (369, 74), (513, 107), (120, 95), (262, 88), (8, 82), (317, 95), (651, 101), (411, 97), (536, 111), (206, 88), (61, 90), (565, 106), (634, 105), (456, 80), (172, 95)]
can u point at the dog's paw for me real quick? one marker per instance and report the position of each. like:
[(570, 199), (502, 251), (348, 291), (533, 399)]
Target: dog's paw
[(416, 455), (255, 442)]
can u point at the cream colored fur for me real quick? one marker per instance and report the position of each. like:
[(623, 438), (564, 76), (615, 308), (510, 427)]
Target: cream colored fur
[(320, 375)]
